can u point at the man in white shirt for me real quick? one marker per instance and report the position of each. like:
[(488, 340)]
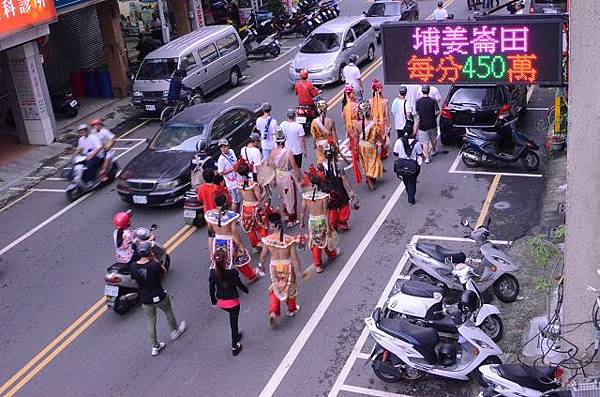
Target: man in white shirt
[(294, 137), (107, 139), (352, 76), (251, 153), (90, 146), (266, 126), (440, 13), (410, 148), (226, 168), (401, 110)]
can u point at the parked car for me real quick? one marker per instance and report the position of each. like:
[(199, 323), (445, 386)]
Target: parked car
[(548, 6), (215, 56), (481, 106), (327, 50), (160, 174), (391, 11)]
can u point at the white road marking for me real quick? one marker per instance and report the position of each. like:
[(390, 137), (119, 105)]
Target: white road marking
[(538, 109), (130, 139), (530, 90), (7, 206), (257, 82), (311, 324), (454, 165), (281, 55), (371, 392)]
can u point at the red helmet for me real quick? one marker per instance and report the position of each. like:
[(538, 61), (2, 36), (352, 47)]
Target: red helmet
[(122, 219), (96, 121), (304, 74)]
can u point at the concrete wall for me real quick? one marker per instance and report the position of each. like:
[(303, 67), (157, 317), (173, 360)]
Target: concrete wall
[(583, 170)]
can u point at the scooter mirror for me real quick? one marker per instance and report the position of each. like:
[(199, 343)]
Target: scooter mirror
[(154, 226)]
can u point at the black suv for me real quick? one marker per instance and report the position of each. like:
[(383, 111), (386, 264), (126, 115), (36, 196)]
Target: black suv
[(482, 106)]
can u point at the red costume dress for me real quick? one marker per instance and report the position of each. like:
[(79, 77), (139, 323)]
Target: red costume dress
[(284, 286), (255, 214)]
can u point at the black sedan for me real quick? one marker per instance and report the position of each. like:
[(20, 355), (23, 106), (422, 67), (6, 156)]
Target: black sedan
[(160, 174)]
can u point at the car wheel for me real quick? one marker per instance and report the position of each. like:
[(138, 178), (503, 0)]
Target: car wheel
[(341, 74), (234, 77), (371, 53), (446, 139)]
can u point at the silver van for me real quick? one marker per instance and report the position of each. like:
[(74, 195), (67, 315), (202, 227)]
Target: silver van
[(215, 56), (328, 48)]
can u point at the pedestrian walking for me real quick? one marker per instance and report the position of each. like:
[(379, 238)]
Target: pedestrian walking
[(410, 157), (223, 288), (381, 117), (426, 124), (147, 271), (266, 126), (471, 5), (402, 113), (252, 154), (353, 77), (294, 137), (226, 166)]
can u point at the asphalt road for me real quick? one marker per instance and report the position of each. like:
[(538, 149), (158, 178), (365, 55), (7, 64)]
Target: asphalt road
[(56, 337)]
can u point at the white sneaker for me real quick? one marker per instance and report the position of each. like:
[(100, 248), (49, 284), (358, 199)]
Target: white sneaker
[(292, 314), (157, 349), (180, 330)]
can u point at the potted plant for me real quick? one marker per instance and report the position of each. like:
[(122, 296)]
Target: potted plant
[(555, 142)]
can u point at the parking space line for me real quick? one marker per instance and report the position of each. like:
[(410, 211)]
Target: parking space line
[(371, 392), (454, 165), (15, 201), (538, 109), (130, 139)]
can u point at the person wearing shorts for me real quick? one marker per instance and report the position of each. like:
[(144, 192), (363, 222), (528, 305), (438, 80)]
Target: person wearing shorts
[(426, 125)]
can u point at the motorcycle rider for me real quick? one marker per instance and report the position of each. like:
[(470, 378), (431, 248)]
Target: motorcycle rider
[(306, 91), (107, 139), (176, 83), (90, 146), (124, 238)]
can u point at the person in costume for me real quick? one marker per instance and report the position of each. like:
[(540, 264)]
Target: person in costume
[(284, 268), (255, 206), (381, 116), (337, 185), (223, 233), (321, 235), (323, 131), (352, 121), (282, 160), (368, 144)]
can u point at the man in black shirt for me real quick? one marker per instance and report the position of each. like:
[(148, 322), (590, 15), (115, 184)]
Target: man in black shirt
[(427, 111), (148, 273)]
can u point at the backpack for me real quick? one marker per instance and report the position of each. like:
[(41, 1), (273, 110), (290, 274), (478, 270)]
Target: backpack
[(404, 167)]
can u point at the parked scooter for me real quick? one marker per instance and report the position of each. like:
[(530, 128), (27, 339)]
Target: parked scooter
[(269, 46), (120, 289), (407, 351), (507, 145), (425, 305), (66, 106), (519, 380), (77, 186), (433, 264)]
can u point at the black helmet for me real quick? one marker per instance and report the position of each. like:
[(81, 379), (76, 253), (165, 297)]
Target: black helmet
[(468, 302), (353, 58), (144, 248), (202, 146)]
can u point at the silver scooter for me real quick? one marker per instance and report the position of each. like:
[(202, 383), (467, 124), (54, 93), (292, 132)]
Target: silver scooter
[(120, 289), (425, 305), (77, 187), (407, 351), (433, 264)]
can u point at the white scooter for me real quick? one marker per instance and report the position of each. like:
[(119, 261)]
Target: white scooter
[(424, 304), (519, 380), (433, 264), (77, 187), (407, 351)]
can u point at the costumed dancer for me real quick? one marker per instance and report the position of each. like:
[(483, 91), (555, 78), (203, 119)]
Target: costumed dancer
[(222, 228), (255, 206), (351, 117), (368, 155), (340, 191), (321, 235), (381, 116), (282, 160), (284, 268), (323, 131)]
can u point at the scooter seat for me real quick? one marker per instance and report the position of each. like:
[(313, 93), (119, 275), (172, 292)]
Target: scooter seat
[(423, 339), (441, 254), (537, 378), (446, 325), (420, 289), (488, 136), (122, 268)]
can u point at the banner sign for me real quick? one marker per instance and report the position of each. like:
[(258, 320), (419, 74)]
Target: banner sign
[(19, 15), (511, 51)]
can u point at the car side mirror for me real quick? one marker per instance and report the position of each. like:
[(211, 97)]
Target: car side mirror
[(154, 226), (349, 45), (364, 13)]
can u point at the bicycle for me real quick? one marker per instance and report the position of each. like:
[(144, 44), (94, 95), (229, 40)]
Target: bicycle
[(172, 110)]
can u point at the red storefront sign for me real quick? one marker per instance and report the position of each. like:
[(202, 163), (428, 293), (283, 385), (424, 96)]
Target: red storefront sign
[(20, 15)]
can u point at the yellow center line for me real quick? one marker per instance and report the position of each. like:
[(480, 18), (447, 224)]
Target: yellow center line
[(488, 200), (137, 127), (184, 237), (176, 235)]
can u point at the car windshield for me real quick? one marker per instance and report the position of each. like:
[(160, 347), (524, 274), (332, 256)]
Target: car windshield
[(320, 43), (477, 96), (157, 69), (177, 137), (384, 10)]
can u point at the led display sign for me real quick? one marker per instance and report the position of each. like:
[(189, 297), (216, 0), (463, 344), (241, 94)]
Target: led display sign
[(20, 15), (512, 51)]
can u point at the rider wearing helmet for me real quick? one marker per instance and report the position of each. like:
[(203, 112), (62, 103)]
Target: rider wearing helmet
[(89, 146), (305, 90), (107, 139), (124, 238)]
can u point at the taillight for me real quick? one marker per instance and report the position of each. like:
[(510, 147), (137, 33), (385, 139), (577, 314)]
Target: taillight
[(446, 112), (112, 278), (558, 373), (531, 10), (504, 112)]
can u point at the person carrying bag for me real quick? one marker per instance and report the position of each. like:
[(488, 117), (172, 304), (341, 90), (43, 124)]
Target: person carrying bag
[(408, 165)]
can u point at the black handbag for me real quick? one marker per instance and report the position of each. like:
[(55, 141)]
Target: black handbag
[(410, 123)]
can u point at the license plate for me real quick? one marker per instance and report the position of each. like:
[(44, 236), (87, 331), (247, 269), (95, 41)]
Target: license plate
[(111, 290), (550, 11), (301, 119), (150, 108), (140, 200), (73, 103), (189, 214)]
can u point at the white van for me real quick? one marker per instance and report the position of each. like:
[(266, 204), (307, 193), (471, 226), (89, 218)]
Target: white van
[(215, 56)]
